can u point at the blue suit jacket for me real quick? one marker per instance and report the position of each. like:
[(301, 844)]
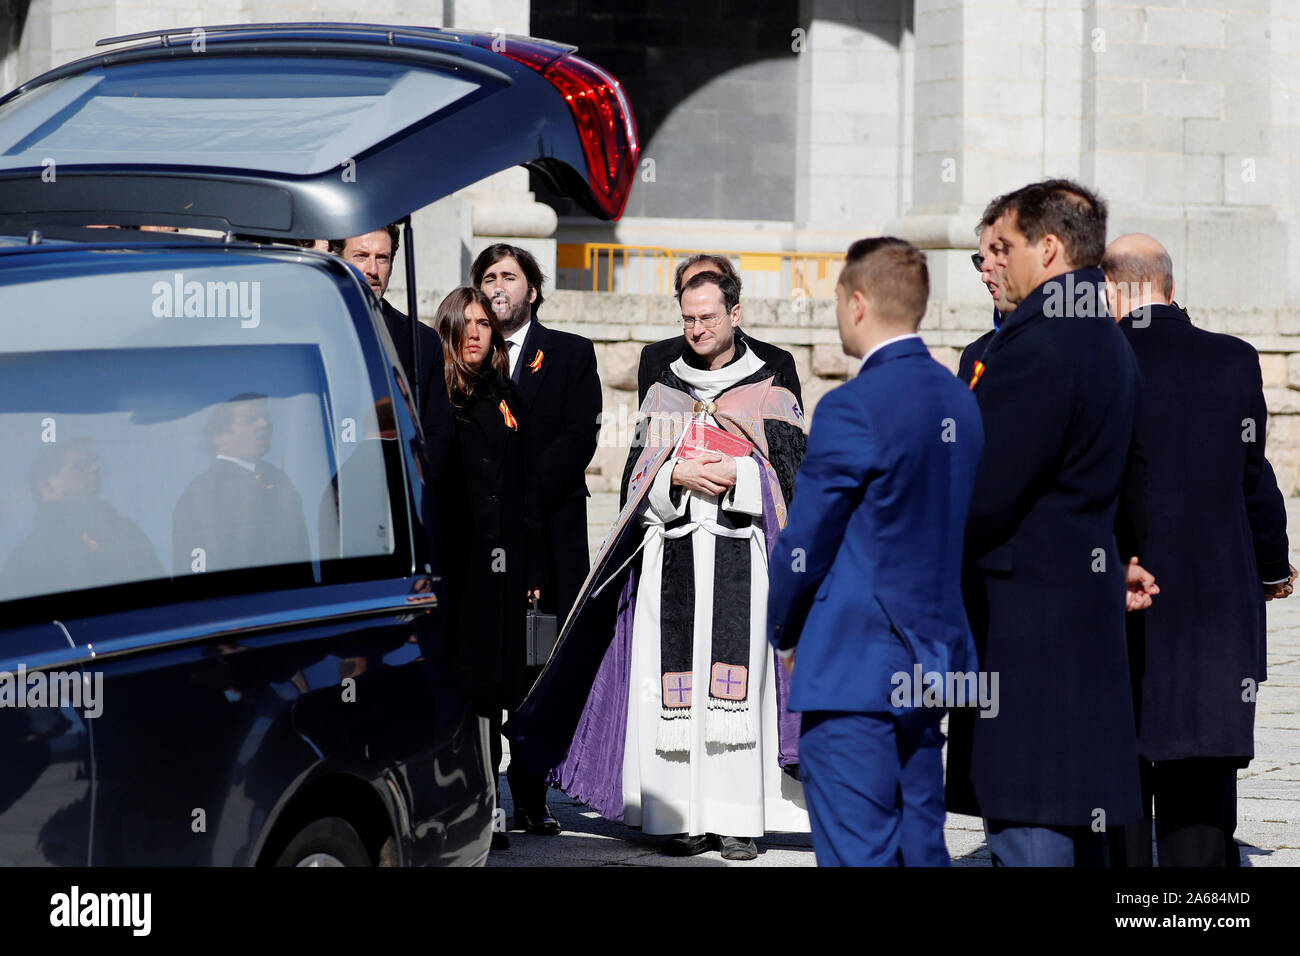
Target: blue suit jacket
[(873, 544)]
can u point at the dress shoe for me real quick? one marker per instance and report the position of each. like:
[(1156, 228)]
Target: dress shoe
[(691, 845), (739, 848), (541, 823), (500, 841)]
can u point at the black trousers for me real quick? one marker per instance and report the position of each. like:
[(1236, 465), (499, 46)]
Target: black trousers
[(1195, 814), (527, 787), (566, 570)]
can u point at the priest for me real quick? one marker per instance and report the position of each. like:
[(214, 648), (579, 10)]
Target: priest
[(661, 706)]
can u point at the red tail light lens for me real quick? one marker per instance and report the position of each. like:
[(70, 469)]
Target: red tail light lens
[(605, 126), (600, 109)]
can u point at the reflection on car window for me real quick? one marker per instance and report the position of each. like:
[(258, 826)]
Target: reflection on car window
[(76, 535), (157, 458), (241, 511), (353, 520)]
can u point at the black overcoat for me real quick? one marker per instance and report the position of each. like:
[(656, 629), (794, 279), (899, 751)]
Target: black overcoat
[(972, 354), (1217, 529), (490, 523), (556, 372), (1044, 581), (435, 410)]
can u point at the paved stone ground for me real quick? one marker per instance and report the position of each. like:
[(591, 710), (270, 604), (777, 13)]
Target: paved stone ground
[(1268, 807)]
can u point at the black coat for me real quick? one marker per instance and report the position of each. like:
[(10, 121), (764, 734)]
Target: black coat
[(1131, 518), (971, 354), (491, 529), (659, 355), (435, 409), (1045, 584), (1217, 529), (241, 519), (556, 372)]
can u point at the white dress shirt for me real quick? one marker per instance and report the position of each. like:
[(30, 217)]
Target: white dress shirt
[(896, 338), (249, 465), (515, 344)]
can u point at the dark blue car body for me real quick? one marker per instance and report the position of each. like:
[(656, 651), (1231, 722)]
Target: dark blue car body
[(246, 708), (224, 727)]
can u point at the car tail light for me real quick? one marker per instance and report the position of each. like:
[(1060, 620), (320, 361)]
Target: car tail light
[(601, 111)]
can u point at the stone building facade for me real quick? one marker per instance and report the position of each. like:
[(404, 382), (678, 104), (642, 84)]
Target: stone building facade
[(802, 124)]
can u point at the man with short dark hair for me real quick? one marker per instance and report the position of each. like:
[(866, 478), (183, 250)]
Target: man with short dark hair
[(659, 355), (1046, 583), (556, 373), (866, 577), (986, 265), (372, 255), (1218, 541)]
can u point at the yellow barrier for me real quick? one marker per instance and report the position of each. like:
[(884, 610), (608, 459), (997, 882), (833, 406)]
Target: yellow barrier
[(649, 270)]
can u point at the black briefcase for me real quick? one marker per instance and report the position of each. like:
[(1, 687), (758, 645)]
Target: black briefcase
[(541, 634)]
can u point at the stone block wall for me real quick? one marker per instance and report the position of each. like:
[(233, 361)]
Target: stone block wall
[(620, 325)]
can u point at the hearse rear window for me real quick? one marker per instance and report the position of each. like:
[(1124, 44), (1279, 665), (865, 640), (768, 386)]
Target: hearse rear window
[(176, 442), (292, 115)]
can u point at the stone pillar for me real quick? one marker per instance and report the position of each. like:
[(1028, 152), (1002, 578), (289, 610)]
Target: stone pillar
[(852, 154), (988, 116), (1183, 135)]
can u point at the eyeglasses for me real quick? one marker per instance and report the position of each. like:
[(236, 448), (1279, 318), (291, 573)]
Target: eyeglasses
[(710, 323), (978, 260)]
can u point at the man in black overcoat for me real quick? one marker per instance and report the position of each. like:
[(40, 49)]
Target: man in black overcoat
[(657, 356), (1217, 542), (556, 374), (1045, 584), (373, 254), (986, 264)]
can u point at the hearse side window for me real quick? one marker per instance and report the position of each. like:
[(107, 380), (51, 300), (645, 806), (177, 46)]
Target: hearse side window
[(194, 446)]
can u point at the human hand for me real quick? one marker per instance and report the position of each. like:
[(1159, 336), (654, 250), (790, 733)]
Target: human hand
[(1141, 587), (704, 474), (724, 468), (1282, 589), (789, 663)]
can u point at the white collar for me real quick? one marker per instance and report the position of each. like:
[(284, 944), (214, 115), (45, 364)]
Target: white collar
[(520, 334), (710, 382), (250, 465), (877, 348)]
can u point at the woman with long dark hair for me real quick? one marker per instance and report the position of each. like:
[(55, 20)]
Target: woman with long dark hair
[(489, 512)]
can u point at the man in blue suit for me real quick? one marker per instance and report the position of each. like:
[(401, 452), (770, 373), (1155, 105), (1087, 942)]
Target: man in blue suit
[(866, 576)]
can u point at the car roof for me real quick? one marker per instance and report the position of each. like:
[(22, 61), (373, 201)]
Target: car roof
[(305, 130), (98, 249)]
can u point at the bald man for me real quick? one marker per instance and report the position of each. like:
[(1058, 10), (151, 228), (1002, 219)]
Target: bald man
[(1216, 540)]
